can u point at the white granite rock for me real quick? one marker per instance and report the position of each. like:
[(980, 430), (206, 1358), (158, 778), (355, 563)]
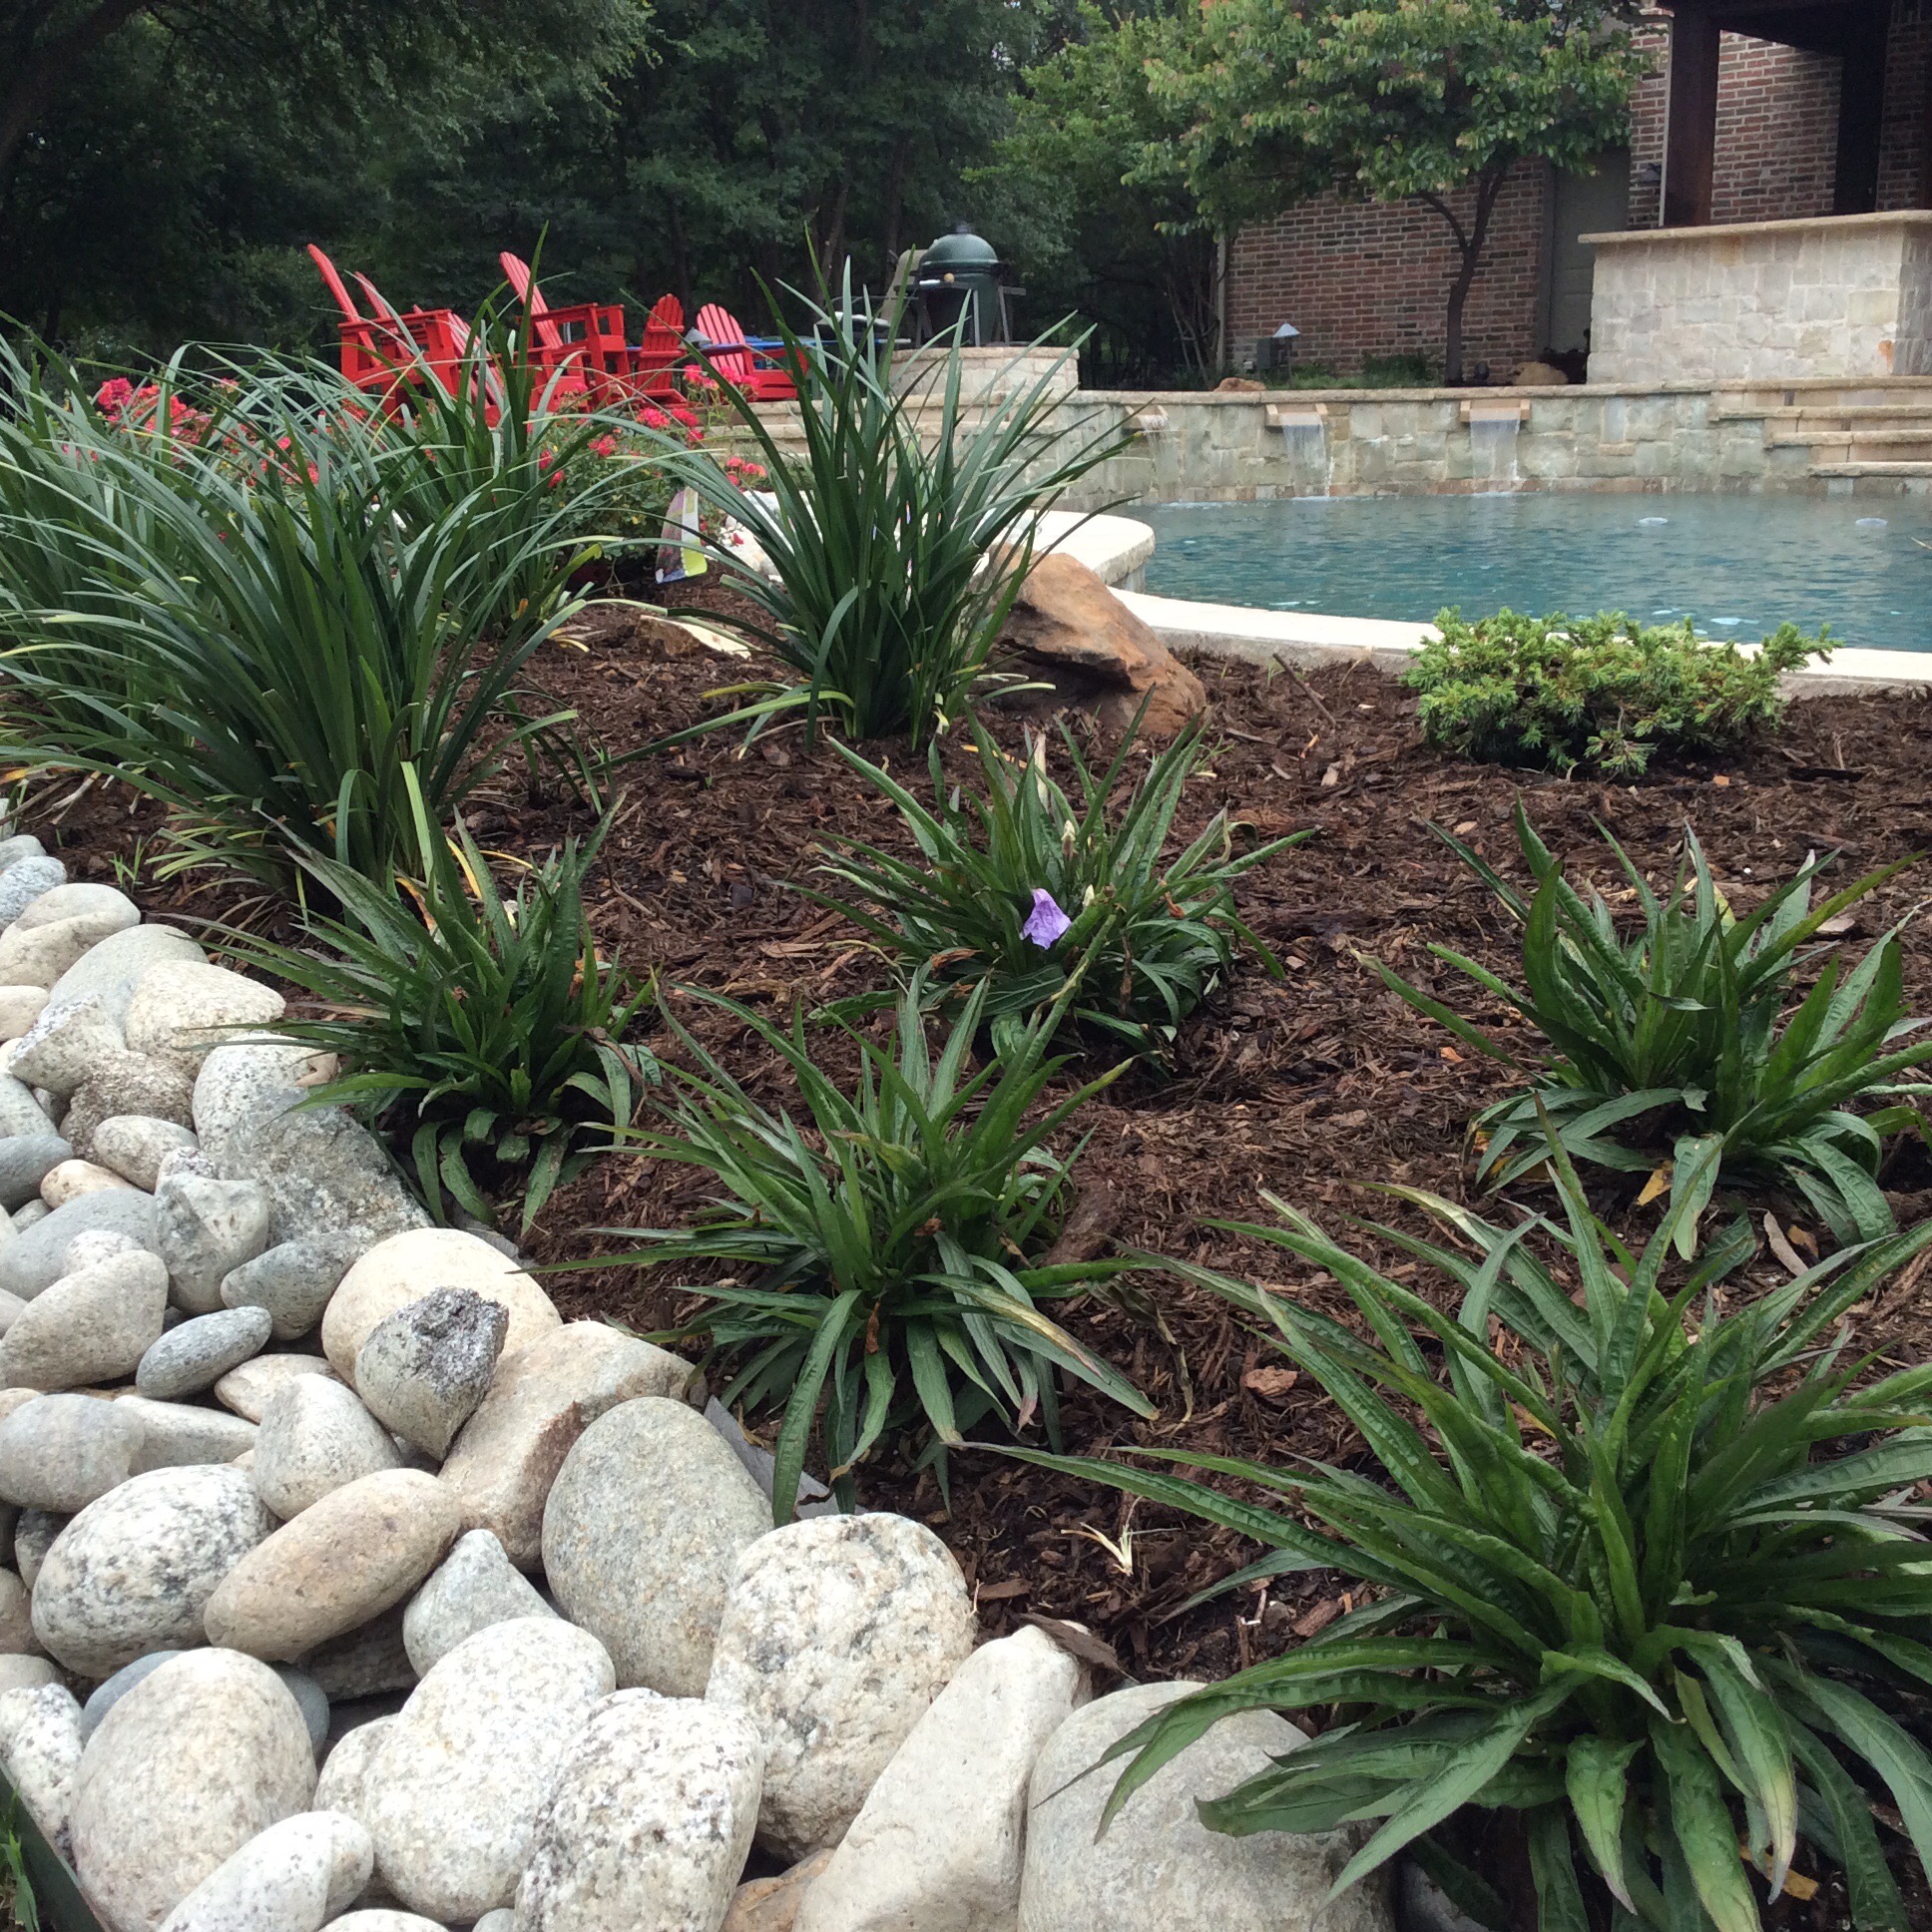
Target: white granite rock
[(70, 1180), (182, 1008), (422, 1370), (135, 1146), (27, 880), (90, 1327), (380, 1918), (294, 1280), (1158, 1868), (345, 1559), (10, 1305), (199, 1758), (838, 1633), (452, 1795), (345, 1770), (203, 1229), (196, 1355), (19, 1007), (503, 1463), (293, 1877), (60, 1452), (108, 972), (967, 1761), (110, 1691), (315, 1436), (642, 1536), (247, 1390), (134, 1572), (648, 1822), (65, 1044), (123, 1084), (18, 1673), (175, 1434), (40, 1752), (78, 900), (35, 1262), (40, 954), (475, 1587)]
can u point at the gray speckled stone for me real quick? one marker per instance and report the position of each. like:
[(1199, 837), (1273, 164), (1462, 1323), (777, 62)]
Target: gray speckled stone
[(184, 1009), (367, 1661), (424, 1370), (475, 1587), (837, 1632), (33, 1537), (40, 1752), (87, 1329), (127, 1083), (38, 1258), (201, 1756), (641, 1535), (18, 846), (110, 970), (20, 1114), (25, 1218), (311, 1699), (1158, 1865), (134, 1572), (66, 1046), (79, 899), (196, 1355), (648, 1822), (315, 1436), (247, 1390), (25, 881), (110, 1691), (10, 1305), (345, 1770), (43, 953), (203, 1229), (293, 1877), (135, 1145), (294, 1280), (501, 1920), (19, 1673), (175, 1434), (16, 1619), (452, 1795), (60, 1452), (26, 1159)]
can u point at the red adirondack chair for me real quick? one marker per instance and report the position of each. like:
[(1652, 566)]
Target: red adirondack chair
[(376, 354), (738, 362), (584, 340), (655, 359)]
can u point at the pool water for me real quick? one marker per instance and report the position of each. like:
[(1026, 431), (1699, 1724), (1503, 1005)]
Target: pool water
[(1737, 566)]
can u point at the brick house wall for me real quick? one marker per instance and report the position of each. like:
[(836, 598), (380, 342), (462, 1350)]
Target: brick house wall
[(1366, 280)]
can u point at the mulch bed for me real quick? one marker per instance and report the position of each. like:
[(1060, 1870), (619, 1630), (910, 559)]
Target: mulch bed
[(1307, 1087)]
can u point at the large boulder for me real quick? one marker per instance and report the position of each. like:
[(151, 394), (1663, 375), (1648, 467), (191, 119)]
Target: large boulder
[(293, 1877)]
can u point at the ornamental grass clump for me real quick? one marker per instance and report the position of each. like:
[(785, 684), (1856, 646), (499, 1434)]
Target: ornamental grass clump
[(1599, 691), (891, 1240), (1644, 1571), (1016, 883), (482, 1033), (1683, 1036)]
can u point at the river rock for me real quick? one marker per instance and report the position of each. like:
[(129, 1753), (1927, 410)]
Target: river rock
[(90, 1327), (648, 1822), (135, 1145), (19, 1007), (22, 883), (109, 1692), (310, 1699), (40, 955), (293, 1877), (10, 1305), (380, 1918), (134, 1572), (33, 1537), (247, 1390), (196, 1355), (475, 1587), (201, 1756), (345, 1770), (452, 1795), (207, 1229), (73, 1178), (642, 1536), (1158, 1868), (78, 900), (175, 1434), (424, 1370), (25, 1218), (19, 1672), (316, 1436), (40, 1752), (405, 1268), (967, 1760), (66, 1046), (325, 1173), (370, 1661), (127, 1083), (345, 1559), (838, 1633), (16, 1618), (108, 972), (772, 1904), (17, 846), (26, 1159), (59, 1452), (184, 1009), (38, 1259), (21, 1115), (542, 1399), (294, 1280)]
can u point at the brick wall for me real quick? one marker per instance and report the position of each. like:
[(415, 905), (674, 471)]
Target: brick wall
[(1901, 141), (1778, 131)]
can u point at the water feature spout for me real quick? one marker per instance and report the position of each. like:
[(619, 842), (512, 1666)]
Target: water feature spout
[(1304, 430), (1493, 429)]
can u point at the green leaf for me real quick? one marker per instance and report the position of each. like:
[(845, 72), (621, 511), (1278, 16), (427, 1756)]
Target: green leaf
[(1596, 1776)]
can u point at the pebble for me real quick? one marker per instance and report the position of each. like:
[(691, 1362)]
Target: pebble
[(26, 1159), (175, 1434), (475, 1587), (345, 1770), (183, 1008), (1158, 1868), (405, 1268), (641, 1535), (293, 1877), (60, 1452), (34, 1262), (40, 1753), (25, 881), (70, 1180), (838, 1633), (249, 1390), (90, 1327), (108, 972), (967, 1760), (203, 1756), (452, 1795), (19, 1007), (315, 1436), (294, 1280), (203, 1229), (135, 1145), (508, 1454), (345, 1559), (648, 1822), (33, 1537), (424, 1370), (134, 1572), (198, 1353)]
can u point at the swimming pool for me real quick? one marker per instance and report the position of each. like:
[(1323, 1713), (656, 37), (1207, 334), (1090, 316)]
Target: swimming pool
[(1737, 566)]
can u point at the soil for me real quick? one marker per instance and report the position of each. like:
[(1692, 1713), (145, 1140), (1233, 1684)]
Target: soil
[(1311, 1087)]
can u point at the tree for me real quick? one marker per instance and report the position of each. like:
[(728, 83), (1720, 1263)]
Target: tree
[(1390, 100)]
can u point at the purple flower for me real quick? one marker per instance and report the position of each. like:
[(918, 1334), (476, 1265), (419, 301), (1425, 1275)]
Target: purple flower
[(1046, 922)]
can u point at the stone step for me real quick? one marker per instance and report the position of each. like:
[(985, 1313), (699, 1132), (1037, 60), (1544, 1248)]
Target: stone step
[(1822, 415), (1898, 468), (1895, 440)]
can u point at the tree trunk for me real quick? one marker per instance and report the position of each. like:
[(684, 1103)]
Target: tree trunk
[(38, 73), (1469, 251)]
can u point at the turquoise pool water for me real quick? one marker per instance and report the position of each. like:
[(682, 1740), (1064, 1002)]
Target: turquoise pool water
[(1737, 566)]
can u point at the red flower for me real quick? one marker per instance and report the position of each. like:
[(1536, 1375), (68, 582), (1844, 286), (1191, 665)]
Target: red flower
[(545, 458), (603, 446), (113, 396)]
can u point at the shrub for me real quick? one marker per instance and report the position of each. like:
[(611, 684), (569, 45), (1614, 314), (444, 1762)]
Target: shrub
[(1669, 1041), (1155, 934), (1599, 691), (1616, 1589), (893, 1240), (901, 537), (483, 1031)]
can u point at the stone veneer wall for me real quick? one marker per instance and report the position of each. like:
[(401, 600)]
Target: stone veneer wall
[(1844, 297)]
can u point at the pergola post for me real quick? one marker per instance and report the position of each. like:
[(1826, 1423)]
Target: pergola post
[(1691, 118), (1861, 106)]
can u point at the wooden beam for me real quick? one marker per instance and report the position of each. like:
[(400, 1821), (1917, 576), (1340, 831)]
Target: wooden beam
[(1691, 118), (1861, 106)]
